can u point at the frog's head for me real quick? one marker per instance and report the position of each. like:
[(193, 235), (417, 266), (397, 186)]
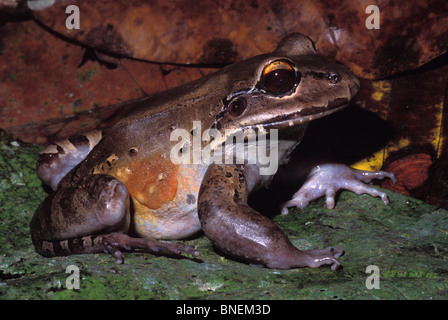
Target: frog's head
[(290, 86)]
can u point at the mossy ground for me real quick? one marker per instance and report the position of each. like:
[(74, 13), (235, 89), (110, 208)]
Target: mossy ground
[(407, 240)]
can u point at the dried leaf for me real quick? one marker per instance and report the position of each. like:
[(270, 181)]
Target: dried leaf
[(220, 31)]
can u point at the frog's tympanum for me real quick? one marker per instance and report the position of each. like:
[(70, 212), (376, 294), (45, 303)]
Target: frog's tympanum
[(121, 188)]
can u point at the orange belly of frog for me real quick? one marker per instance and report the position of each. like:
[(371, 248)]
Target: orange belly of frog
[(163, 194)]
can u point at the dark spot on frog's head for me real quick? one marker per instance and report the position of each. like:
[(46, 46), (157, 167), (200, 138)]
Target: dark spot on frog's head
[(218, 51), (228, 175), (191, 199)]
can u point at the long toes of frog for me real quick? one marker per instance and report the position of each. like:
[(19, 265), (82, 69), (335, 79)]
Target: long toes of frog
[(367, 176), (384, 198), (293, 203), (325, 260), (112, 243), (327, 256), (376, 193), (328, 251), (174, 248), (113, 250), (329, 198), (300, 199), (372, 192), (335, 251)]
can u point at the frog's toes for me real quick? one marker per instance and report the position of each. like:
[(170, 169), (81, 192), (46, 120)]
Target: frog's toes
[(326, 180), (114, 251), (327, 256), (167, 247), (115, 241), (336, 252)]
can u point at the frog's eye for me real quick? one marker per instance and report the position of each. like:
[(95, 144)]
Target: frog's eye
[(279, 77)]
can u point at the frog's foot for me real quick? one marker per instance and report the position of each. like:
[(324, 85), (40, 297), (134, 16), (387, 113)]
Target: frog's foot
[(326, 180), (113, 243), (288, 256)]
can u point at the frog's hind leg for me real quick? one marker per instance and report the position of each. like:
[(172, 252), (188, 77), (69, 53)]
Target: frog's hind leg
[(239, 231), (91, 216), (57, 159)]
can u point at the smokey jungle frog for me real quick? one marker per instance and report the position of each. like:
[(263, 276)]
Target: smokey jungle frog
[(119, 189)]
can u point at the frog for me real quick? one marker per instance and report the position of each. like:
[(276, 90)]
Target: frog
[(119, 189)]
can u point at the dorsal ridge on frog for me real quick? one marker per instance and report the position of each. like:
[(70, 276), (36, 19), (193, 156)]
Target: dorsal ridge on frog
[(118, 189)]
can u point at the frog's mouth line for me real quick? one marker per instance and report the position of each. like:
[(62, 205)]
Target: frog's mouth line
[(298, 118)]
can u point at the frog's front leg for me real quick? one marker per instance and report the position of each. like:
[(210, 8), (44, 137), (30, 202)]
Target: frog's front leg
[(91, 216), (326, 180), (239, 231)]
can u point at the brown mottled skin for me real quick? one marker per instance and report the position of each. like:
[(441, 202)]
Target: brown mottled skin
[(119, 189)]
